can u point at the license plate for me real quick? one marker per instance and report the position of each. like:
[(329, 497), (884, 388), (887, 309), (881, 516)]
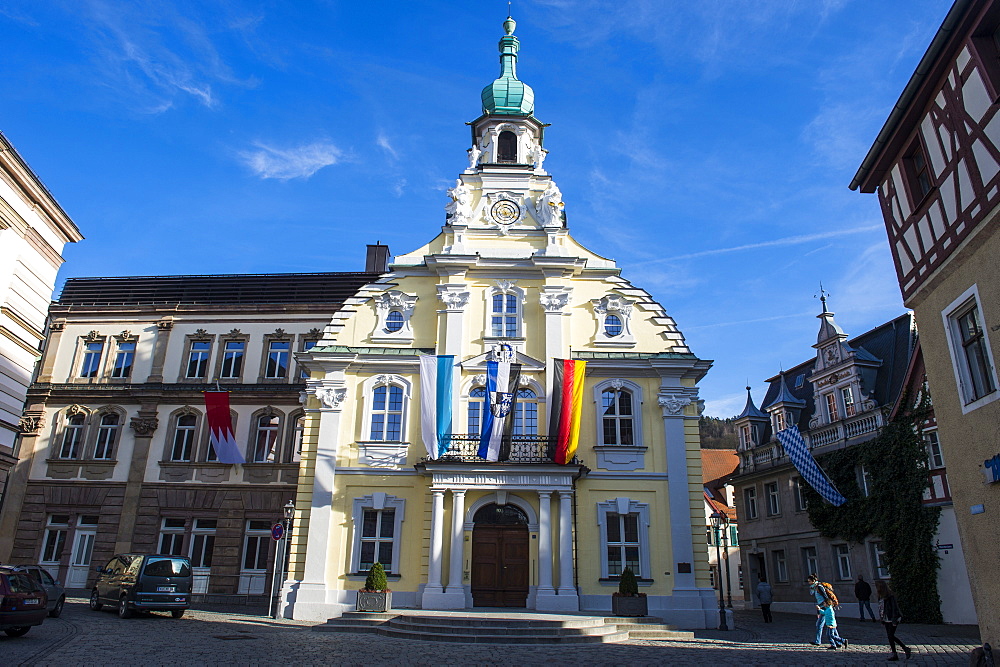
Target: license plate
[(32, 601), (165, 589)]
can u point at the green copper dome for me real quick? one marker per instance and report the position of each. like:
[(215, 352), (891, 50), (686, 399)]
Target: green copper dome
[(507, 95)]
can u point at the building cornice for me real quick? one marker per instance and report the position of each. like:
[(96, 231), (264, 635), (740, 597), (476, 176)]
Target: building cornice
[(19, 175)]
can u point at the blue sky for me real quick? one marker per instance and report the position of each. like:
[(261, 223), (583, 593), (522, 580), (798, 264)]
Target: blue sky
[(706, 146)]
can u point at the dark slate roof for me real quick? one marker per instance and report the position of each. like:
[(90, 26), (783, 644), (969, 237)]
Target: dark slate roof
[(232, 289), (750, 410), (892, 343)]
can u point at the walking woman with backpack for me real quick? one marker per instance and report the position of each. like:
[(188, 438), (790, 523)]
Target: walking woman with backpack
[(891, 616)]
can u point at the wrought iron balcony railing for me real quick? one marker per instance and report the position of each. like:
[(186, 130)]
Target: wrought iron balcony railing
[(464, 448)]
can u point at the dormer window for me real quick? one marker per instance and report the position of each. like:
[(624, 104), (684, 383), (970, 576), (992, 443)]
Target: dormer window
[(394, 321), (746, 434), (507, 147), (850, 408), (779, 421)]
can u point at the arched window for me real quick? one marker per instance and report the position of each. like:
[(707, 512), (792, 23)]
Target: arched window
[(72, 436), (612, 326), (295, 446), (107, 434), (387, 413), (394, 321), (184, 428), (507, 147), (477, 398), (526, 413), (616, 414), (265, 438), (500, 515)]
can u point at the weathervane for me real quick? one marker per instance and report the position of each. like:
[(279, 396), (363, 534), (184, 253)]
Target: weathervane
[(822, 295)]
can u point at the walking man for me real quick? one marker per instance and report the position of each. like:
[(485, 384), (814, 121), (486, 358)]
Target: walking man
[(863, 592), (764, 597)]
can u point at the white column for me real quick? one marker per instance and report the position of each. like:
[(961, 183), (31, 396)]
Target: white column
[(553, 299), (545, 543), (457, 554), (566, 586), (437, 542)]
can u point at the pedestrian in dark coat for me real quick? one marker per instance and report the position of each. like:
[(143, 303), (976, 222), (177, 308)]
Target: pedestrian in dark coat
[(765, 597), (863, 592), (891, 616)]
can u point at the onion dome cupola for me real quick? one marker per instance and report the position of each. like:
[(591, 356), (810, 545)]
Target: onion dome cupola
[(508, 96)]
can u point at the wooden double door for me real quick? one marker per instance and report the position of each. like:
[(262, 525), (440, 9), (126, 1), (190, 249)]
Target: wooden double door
[(500, 566)]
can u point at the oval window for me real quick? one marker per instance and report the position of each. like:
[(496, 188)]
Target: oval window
[(394, 321), (612, 326)]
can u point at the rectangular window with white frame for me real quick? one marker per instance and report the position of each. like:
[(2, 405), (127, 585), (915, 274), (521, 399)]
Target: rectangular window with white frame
[(203, 542), (850, 407), (842, 557), (750, 502), (56, 530), (197, 362), (504, 318), (780, 565), (378, 522), (278, 352), (124, 359), (798, 487), (810, 562), (233, 352), (935, 459), (773, 498), (971, 355), (172, 536), (877, 556), (624, 526), (832, 413), (93, 352)]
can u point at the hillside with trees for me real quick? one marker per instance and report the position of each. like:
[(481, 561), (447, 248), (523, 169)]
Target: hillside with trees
[(717, 433)]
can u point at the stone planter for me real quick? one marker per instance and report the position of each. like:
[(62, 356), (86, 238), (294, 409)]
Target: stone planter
[(377, 601), (629, 606)]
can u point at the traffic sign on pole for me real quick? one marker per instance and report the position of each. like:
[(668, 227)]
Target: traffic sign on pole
[(277, 531)]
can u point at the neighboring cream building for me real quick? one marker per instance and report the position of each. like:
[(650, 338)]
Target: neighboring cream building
[(457, 532), (33, 231), (936, 168), (718, 465)]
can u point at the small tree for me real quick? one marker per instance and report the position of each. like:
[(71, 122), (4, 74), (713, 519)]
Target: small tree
[(376, 580), (627, 585)]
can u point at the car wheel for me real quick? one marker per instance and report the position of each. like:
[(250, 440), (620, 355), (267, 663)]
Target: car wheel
[(18, 632), (176, 613), (59, 607), (95, 601), (123, 610)]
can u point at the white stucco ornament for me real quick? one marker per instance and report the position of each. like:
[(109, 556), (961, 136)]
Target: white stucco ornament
[(549, 207), (331, 397), (459, 208), (673, 404), (454, 300), (554, 301)]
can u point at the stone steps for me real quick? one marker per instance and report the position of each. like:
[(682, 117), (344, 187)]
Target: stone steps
[(520, 629)]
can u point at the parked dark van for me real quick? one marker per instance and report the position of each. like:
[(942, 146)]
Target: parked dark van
[(144, 582)]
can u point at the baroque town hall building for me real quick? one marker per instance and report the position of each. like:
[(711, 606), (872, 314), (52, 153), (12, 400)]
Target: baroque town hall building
[(455, 531)]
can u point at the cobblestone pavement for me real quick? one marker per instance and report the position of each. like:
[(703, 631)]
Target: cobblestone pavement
[(205, 637)]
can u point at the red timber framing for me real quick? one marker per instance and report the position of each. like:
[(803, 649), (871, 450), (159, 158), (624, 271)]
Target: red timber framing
[(947, 116)]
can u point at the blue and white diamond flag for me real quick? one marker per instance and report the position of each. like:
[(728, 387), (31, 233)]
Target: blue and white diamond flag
[(804, 462)]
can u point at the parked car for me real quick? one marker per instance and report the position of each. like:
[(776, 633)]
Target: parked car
[(22, 602), (53, 588), (143, 582)]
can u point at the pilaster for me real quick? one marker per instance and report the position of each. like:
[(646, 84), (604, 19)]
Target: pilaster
[(163, 329)]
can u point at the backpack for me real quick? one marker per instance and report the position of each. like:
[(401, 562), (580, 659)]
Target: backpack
[(828, 593)]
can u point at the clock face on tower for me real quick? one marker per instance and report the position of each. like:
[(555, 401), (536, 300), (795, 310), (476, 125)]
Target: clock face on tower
[(505, 212)]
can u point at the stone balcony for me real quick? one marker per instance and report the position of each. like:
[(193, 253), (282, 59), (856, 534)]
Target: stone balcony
[(464, 448)]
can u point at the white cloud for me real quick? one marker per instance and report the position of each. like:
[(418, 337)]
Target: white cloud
[(726, 406), (399, 187), (287, 163), (383, 142), (787, 241)]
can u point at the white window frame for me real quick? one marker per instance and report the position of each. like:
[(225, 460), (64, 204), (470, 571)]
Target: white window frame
[(637, 403), (959, 362), (832, 409), (254, 580), (613, 304), (192, 431), (393, 301), (772, 497), (56, 534), (504, 287), (800, 497), (935, 457), (107, 442), (173, 533), (378, 501), (79, 433), (205, 546), (778, 419), (876, 555), (810, 559), (275, 373), (780, 562), (230, 357), (368, 387), (625, 506), (521, 410), (89, 355), (121, 353), (850, 404), (269, 429), (842, 557), (474, 429), (204, 363), (750, 502)]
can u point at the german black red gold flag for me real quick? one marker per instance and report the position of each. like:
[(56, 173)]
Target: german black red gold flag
[(567, 404)]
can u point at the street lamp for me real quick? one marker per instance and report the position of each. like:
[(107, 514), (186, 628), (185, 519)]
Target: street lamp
[(281, 555), (718, 519), (725, 549)]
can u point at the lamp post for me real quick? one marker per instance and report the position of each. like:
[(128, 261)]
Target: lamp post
[(729, 576), (281, 555), (718, 518)]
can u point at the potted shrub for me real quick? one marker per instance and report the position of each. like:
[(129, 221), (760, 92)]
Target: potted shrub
[(628, 601), (375, 596)]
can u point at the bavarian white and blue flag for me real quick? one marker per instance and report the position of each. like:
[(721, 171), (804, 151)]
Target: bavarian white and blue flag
[(502, 379), (436, 390), (804, 462)]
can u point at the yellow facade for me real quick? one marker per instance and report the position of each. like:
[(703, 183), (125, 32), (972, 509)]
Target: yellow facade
[(504, 257)]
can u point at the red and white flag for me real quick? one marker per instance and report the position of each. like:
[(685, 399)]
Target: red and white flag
[(220, 425)]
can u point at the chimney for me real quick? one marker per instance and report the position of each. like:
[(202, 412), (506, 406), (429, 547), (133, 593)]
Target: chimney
[(377, 260)]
